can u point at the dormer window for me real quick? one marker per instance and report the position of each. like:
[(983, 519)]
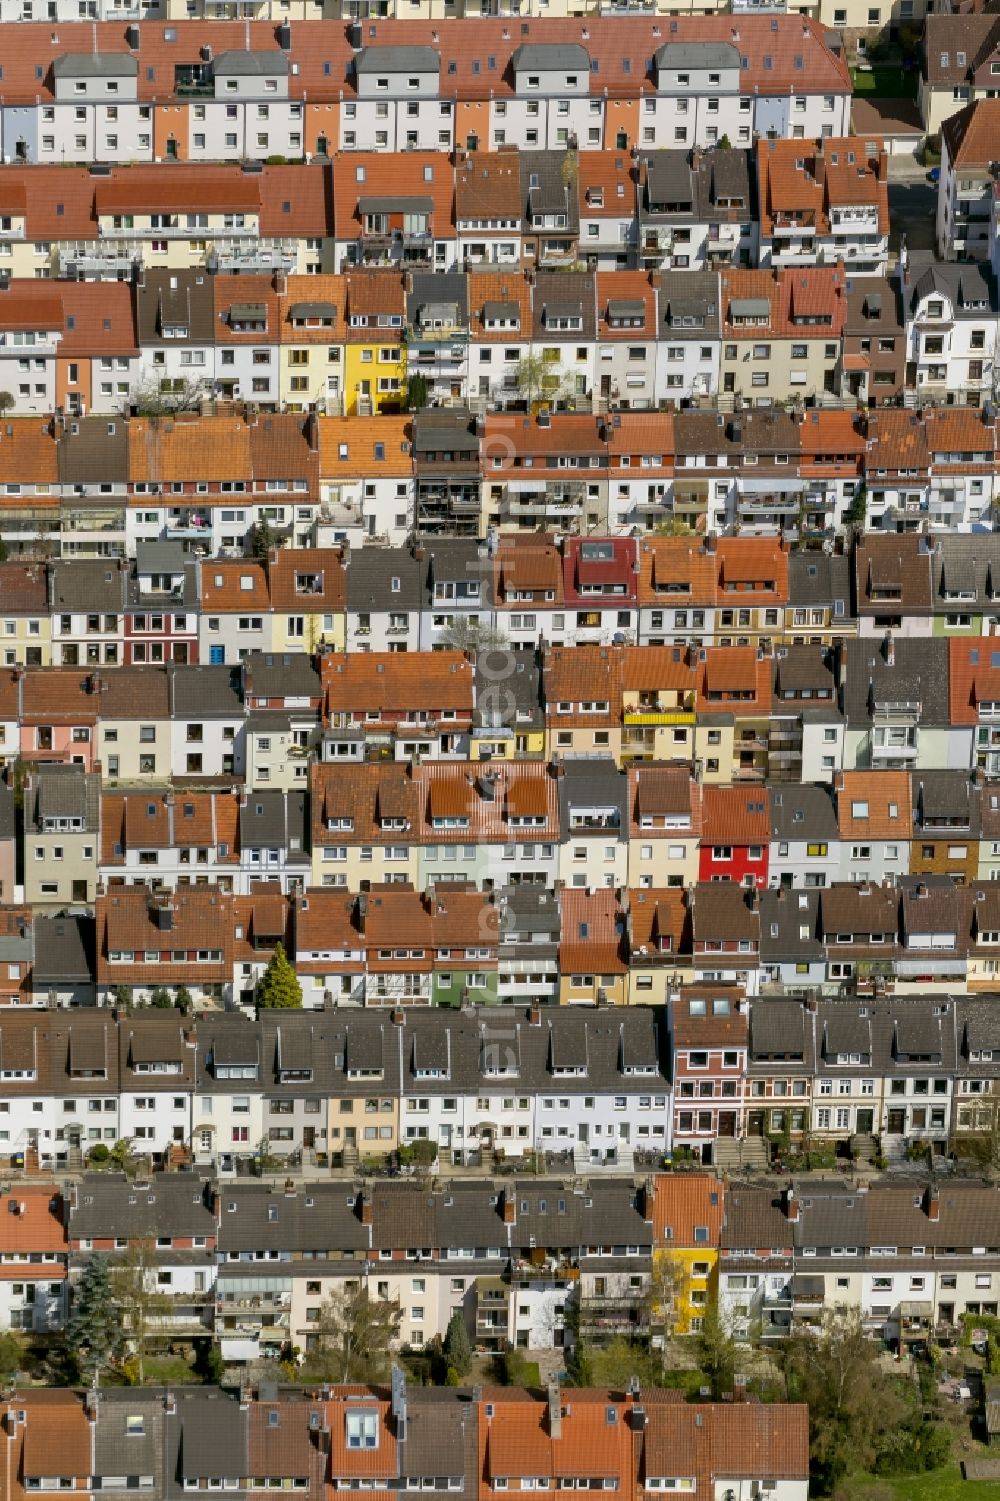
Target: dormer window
[(361, 1429)]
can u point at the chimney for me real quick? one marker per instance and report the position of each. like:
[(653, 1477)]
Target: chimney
[(791, 1204), (889, 650), (932, 1199), (509, 1206), (555, 1410), (534, 1016), (367, 1208)]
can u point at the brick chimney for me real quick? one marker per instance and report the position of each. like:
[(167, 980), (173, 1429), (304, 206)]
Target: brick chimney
[(791, 1204), (932, 1201)]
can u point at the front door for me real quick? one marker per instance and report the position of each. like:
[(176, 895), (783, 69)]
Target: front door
[(79, 891), (897, 1122), (727, 1123), (309, 1138), (866, 1122)]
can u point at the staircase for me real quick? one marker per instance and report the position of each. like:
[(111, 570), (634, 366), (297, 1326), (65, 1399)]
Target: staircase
[(750, 1154)]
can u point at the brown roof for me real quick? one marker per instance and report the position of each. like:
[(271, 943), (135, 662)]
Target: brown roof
[(200, 918), (592, 932)]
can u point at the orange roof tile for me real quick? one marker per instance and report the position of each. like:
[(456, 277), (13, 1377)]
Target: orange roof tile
[(680, 1202), (397, 681), (592, 932), (874, 804), (36, 1224), (350, 447)]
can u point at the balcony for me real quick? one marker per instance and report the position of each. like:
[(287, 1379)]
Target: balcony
[(644, 716), (256, 255), (96, 260), (192, 525)]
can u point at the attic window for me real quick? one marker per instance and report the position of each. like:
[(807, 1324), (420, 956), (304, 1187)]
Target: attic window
[(135, 1424)]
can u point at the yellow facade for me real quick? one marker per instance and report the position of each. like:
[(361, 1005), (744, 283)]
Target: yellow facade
[(691, 1274), (613, 990), (354, 869), (22, 634), (321, 627), (311, 374), (374, 377), (521, 744)]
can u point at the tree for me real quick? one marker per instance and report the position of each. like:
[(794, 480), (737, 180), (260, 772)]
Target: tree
[(11, 1355), (416, 392), (7, 402), (613, 1365), (668, 1287), (123, 1157), (717, 1354), (164, 397), (472, 635), (278, 988), (93, 1330), (354, 1335), (137, 1301), (457, 1346), (672, 526), (183, 1000), (261, 540), (531, 373), (160, 998), (853, 1405)]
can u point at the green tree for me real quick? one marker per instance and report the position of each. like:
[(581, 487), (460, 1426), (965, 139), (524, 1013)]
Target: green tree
[(138, 1303), (614, 1364), (416, 392), (7, 402), (183, 1000), (717, 1354), (279, 989), (160, 998), (93, 1330), (854, 1407), (261, 540), (11, 1355), (354, 1335), (531, 373), (122, 1157), (457, 1346), (208, 1362)]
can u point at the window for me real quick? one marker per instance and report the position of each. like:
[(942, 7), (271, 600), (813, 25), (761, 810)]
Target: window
[(362, 1430)]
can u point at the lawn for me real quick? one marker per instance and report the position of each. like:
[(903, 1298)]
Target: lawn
[(168, 1370), (886, 82), (936, 1485)]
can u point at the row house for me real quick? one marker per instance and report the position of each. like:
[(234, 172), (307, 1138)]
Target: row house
[(334, 1440), (824, 204), (902, 1256)]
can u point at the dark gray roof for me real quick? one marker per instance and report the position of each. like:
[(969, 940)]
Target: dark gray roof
[(802, 812), (971, 288), (312, 310), (369, 573), (457, 559), (160, 557), (94, 451), (805, 669), (214, 1437), (689, 304), (206, 693), (755, 1220), (397, 60), (317, 1218), (721, 910), (95, 65), (944, 801), (175, 300), (64, 792), (89, 585), (919, 675), (815, 578), (629, 1039), (8, 812), (290, 674), (544, 190), (698, 55), (396, 203), (238, 63), (789, 927), (965, 565), (873, 304), (892, 1035), (545, 57), (519, 689), (594, 782), (433, 290), (119, 1448), (109, 1205), (273, 819), (781, 1031)]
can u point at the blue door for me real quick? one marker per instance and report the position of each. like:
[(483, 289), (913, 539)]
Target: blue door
[(217, 656)]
